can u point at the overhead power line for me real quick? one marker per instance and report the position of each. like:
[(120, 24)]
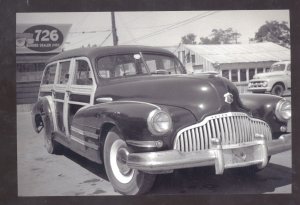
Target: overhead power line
[(85, 32), (173, 26), (84, 39), (105, 39)]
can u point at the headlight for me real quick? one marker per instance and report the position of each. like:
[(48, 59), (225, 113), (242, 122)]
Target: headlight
[(283, 110), (159, 122), (265, 84)]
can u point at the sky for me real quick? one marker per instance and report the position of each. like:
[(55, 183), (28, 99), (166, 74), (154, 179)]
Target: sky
[(163, 28)]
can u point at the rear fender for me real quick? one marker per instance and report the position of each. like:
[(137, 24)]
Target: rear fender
[(45, 106)]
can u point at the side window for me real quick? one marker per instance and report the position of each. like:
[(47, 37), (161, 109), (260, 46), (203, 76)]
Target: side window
[(83, 74), (49, 75), (243, 75), (251, 73), (225, 73), (234, 75), (63, 72), (260, 70)]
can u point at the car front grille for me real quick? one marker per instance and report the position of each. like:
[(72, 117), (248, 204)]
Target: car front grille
[(230, 128), (256, 84)]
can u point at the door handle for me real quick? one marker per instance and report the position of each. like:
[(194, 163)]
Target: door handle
[(104, 100)]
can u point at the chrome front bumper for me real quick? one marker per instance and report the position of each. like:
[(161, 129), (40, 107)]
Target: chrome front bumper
[(221, 156)]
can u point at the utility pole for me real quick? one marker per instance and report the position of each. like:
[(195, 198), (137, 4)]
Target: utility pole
[(114, 29)]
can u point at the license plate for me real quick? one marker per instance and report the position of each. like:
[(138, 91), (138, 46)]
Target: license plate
[(242, 155)]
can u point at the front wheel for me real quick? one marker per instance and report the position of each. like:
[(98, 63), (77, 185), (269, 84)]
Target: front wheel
[(277, 89), (124, 179)]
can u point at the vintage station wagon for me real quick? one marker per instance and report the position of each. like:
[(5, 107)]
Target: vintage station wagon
[(135, 110)]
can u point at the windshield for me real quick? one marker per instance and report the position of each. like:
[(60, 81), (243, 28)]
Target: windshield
[(116, 66), (277, 67)]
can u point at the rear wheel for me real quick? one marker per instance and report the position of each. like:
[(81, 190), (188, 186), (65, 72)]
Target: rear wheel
[(277, 89), (51, 146), (124, 179)]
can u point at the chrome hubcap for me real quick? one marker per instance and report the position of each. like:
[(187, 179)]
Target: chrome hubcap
[(121, 161), (118, 158)]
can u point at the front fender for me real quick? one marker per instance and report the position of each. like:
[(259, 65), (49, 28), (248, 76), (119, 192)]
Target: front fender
[(129, 117), (263, 106), (131, 120)]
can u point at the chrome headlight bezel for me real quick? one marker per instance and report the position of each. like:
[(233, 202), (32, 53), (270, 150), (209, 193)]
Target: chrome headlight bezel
[(153, 122), (283, 110), (265, 84)]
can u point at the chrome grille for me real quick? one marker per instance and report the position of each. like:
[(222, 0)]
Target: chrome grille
[(230, 128)]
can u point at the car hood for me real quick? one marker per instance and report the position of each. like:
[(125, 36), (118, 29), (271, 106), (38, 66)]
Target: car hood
[(268, 75), (202, 95)]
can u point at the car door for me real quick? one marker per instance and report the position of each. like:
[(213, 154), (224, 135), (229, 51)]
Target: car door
[(60, 95), (80, 93)]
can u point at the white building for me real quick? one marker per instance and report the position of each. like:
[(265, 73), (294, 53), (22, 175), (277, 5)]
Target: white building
[(237, 62)]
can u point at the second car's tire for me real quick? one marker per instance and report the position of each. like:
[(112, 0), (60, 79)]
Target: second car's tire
[(124, 180), (277, 89)]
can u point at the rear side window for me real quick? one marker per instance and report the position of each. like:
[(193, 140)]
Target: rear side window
[(83, 74), (63, 68), (49, 75)]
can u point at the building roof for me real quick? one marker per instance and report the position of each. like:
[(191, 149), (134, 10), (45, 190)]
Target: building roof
[(241, 53), (107, 50)]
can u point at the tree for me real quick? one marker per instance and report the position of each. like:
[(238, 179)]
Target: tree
[(220, 36), (275, 32), (189, 39)]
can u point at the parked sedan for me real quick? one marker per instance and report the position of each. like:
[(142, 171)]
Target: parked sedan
[(135, 110)]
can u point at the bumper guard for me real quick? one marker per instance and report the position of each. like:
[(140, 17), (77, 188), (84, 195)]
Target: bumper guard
[(221, 156)]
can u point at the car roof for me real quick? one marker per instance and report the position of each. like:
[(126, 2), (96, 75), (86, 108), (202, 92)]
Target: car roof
[(93, 53)]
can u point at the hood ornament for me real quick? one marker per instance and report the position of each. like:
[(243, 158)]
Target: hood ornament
[(228, 98)]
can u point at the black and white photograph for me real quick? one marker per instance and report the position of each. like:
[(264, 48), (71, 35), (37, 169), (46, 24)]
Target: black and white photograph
[(153, 103)]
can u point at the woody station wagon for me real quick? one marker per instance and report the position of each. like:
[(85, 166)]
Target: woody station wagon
[(135, 110)]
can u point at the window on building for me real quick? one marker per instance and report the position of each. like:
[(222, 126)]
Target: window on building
[(64, 72), (193, 59), (234, 75), (225, 74), (260, 70), (251, 73), (243, 75), (188, 56), (183, 57), (30, 67), (267, 70), (49, 75)]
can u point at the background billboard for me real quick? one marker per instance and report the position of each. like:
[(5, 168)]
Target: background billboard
[(41, 38)]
